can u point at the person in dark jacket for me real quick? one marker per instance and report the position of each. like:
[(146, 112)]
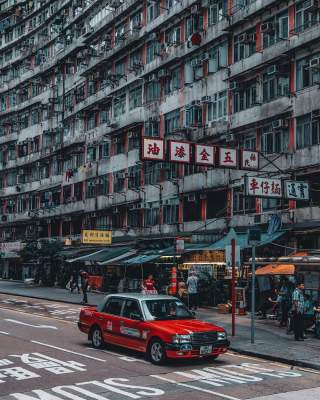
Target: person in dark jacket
[(84, 286)]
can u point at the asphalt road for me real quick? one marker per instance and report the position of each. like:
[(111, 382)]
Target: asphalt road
[(44, 356)]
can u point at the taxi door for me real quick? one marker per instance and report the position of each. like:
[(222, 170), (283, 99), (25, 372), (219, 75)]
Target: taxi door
[(132, 331), (109, 320)]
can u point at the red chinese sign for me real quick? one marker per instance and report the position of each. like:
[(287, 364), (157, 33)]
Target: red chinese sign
[(179, 151), (263, 187), (204, 155), (228, 158), (249, 159), (153, 149)]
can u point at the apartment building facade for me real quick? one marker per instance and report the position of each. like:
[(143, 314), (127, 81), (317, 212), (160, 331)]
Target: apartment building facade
[(82, 83)]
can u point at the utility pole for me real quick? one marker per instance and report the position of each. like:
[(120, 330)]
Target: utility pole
[(233, 285), (253, 293), (254, 238)]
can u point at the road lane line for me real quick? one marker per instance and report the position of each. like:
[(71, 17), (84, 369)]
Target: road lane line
[(4, 333), (38, 315), (14, 321), (121, 357), (225, 396), (67, 351)]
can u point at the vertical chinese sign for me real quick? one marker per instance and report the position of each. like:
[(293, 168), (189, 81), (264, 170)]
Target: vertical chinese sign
[(263, 187), (249, 159), (295, 190), (152, 149), (228, 158), (204, 154), (179, 151)]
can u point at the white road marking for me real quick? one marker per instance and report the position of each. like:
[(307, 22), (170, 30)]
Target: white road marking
[(123, 358), (4, 333), (14, 321), (67, 351), (224, 396)]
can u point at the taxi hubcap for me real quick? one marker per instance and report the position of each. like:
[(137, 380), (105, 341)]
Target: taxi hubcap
[(96, 337), (156, 351)]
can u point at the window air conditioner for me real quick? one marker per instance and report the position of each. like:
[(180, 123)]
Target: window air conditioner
[(267, 27), (280, 123)]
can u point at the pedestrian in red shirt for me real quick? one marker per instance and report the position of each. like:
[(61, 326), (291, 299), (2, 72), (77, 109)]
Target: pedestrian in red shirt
[(148, 286)]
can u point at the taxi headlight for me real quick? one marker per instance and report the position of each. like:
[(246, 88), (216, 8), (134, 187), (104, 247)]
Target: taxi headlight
[(222, 335), (181, 339)]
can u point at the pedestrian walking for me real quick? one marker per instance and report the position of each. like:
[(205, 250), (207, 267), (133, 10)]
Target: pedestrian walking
[(84, 286), (192, 284), (75, 282), (298, 307), (284, 300)]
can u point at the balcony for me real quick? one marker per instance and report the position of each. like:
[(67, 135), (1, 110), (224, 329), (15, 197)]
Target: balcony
[(253, 115)]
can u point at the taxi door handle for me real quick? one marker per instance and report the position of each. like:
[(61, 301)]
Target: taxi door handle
[(121, 323), (100, 318)]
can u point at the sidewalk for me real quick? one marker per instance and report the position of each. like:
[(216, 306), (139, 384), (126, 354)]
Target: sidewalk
[(271, 342)]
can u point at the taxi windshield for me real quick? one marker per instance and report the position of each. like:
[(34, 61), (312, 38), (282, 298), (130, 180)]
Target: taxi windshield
[(168, 309)]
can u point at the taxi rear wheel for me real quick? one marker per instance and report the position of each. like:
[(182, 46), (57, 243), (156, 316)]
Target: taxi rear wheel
[(156, 352), (96, 338)]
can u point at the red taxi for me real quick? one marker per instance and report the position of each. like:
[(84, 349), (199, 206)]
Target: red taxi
[(160, 326)]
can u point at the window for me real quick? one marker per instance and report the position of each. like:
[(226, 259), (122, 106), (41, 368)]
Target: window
[(120, 32), (153, 50), (217, 11), (172, 36), (217, 108), (243, 203), (152, 172), (246, 97), (134, 177), (153, 10), (248, 142), (305, 18), (103, 185), (120, 68), (279, 29), (275, 84), (171, 211), (172, 81), (135, 21), (152, 128), (194, 116), (118, 144), (135, 61), (91, 189), (119, 181), (193, 24), (306, 76), (134, 140), (308, 131), (153, 91), (274, 140), (244, 48), (132, 310), (218, 58), (172, 121), (119, 105), (151, 215), (135, 97), (114, 306)]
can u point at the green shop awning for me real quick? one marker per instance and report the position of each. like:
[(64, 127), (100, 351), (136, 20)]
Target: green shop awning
[(101, 256), (141, 259), (242, 240), (117, 255)]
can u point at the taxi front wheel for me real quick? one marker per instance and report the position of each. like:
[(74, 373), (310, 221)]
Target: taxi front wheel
[(96, 338), (156, 352)]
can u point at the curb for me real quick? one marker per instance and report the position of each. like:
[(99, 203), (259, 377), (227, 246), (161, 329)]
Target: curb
[(294, 363), (47, 299)]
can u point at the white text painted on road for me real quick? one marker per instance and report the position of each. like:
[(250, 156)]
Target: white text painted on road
[(121, 386)]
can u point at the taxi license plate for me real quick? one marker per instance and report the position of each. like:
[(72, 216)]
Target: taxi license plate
[(205, 350)]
